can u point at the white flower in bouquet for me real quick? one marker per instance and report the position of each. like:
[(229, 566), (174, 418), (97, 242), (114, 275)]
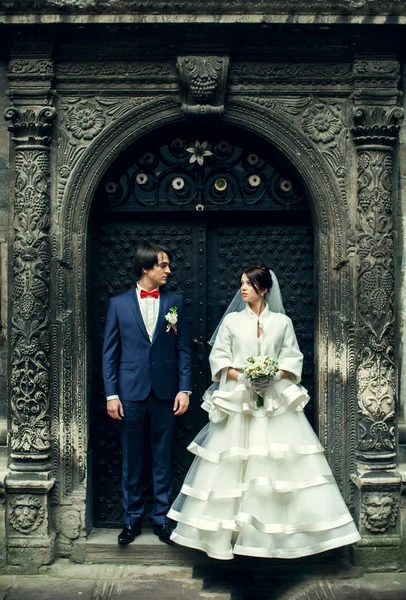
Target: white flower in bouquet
[(260, 369)]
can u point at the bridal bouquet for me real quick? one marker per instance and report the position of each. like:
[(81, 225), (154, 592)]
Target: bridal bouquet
[(259, 370)]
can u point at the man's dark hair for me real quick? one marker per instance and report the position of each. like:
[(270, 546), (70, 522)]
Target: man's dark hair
[(146, 256), (259, 277)]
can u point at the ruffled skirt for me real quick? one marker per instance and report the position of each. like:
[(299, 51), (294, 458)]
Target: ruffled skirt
[(260, 484)]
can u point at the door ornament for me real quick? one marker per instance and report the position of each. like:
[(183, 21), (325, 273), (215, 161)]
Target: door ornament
[(202, 83)]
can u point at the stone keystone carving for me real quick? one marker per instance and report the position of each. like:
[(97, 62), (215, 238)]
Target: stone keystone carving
[(202, 81), (379, 511), (26, 513)]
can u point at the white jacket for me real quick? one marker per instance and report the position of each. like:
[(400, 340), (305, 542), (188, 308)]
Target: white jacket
[(237, 339)]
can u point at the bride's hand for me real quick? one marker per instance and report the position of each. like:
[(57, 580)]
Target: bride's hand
[(242, 378), (286, 374), (259, 385)]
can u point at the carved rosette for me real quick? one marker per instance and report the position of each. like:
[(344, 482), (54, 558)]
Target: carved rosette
[(375, 134), (30, 439)]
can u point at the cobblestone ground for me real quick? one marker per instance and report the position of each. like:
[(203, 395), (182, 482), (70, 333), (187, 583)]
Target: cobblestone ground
[(67, 581)]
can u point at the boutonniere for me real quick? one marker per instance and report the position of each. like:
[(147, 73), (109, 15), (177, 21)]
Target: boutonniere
[(171, 318)]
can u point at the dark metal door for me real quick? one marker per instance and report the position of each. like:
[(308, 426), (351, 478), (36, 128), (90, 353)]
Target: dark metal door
[(210, 248)]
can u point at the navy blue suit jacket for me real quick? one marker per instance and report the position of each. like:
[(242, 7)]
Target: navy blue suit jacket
[(132, 364)]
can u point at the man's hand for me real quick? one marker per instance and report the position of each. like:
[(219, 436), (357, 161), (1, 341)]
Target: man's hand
[(115, 409), (181, 403)]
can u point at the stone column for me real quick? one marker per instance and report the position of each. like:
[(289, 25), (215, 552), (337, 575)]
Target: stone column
[(375, 132), (29, 482)]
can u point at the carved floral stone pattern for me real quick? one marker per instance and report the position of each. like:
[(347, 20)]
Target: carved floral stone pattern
[(81, 121), (376, 370), (30, 67), (376, 67), (85, 120), (258, 72), (30, 303), (26, 513), (375, 133), (379, 511), (128, 70), (321, 123)]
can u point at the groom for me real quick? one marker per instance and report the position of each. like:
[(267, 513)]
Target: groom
[(147, 375)]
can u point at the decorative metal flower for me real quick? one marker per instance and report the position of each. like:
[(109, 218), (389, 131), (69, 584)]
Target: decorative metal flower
[(286, 185), (254, 180), (142, 179), (220, 184), (111, 187), (199, 152), (252, 159), (223, 147), (148, 158), (178, 184)]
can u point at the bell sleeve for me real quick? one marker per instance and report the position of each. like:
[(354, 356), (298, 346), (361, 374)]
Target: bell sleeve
[(221, 354), (290, 358)]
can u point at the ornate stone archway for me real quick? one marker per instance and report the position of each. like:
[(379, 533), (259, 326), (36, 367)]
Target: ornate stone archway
[(330, 227), (355, 387)]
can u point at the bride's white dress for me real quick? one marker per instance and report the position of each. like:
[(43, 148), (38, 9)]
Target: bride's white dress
[(260, 484)]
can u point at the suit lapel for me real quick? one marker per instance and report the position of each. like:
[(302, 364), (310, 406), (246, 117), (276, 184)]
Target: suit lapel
[(135, 308), (163, 309)]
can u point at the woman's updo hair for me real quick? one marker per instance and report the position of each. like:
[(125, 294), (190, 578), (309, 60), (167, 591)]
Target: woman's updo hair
[(259, 277)]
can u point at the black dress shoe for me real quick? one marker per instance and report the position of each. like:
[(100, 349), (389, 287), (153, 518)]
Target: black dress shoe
[(164, 533), (129, 533)]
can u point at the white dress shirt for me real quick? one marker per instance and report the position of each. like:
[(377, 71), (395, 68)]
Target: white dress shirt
[(149, 308)]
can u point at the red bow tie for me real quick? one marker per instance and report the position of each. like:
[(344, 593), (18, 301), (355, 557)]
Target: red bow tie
[(153, 294)]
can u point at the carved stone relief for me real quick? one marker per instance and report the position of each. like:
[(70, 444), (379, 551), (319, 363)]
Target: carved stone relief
[(31, 265), (26, 513), (145, 71), (81, 121), (202, 81), (323, 122), (375, 133), (379, 511), (67, 526), (258, 73), (25, 68)]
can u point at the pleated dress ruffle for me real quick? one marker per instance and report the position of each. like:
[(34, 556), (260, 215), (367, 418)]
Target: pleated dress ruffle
[(260, 484)]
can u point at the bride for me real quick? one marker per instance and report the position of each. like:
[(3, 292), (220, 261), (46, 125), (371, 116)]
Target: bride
[(259, 485)]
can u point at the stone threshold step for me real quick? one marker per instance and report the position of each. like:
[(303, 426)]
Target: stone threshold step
[(101, 547)]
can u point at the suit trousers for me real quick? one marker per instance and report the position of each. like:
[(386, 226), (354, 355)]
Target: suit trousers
[(154, 418)]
